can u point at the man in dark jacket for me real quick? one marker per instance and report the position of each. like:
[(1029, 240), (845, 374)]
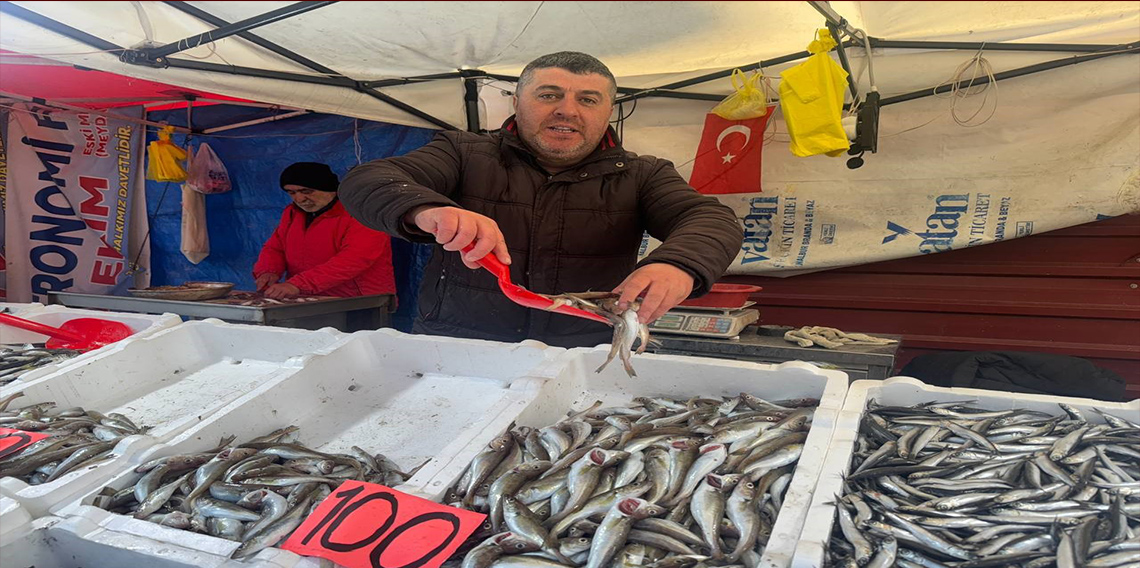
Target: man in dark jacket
[(554, 195)]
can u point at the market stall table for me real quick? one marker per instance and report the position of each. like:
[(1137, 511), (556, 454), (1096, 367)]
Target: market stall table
[(345, 314), (858, 361)]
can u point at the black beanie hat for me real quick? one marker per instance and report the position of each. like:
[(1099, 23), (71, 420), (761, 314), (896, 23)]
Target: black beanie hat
[(310, 174)]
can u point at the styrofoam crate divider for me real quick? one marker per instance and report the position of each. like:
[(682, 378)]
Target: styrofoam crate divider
[(169, 381), (410, 397), (904, 391), (25, 544), (78, 543), (143, 325), (16, 523)]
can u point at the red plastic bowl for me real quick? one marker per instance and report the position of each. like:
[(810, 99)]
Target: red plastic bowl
[(728, 296)]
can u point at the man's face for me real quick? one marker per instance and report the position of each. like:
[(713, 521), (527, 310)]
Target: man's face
[(562, 116), (309, 199)]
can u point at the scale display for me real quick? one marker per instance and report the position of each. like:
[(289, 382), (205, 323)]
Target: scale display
[(704, 323)]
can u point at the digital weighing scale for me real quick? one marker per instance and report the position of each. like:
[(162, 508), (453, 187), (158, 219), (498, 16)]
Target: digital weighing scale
[(723, 323)]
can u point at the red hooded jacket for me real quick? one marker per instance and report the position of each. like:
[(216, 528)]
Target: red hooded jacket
[(334, 256)]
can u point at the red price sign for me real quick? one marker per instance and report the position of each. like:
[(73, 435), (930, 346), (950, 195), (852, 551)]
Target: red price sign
[(363, 525), (12, 441)]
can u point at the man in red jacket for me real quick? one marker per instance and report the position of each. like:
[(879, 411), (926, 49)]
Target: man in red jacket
[(318, 247)]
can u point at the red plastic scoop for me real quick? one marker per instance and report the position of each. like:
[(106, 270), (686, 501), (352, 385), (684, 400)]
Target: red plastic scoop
[(524, 297), (83, 334)]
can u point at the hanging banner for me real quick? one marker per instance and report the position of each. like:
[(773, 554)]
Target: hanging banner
[(69, 198)]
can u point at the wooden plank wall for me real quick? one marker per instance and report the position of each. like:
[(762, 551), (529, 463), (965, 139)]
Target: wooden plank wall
[(1074, 291)]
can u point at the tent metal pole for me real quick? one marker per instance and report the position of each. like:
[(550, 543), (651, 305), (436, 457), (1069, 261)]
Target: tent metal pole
[(843, 61), (315, 79), (834, 19), (156, 55), (333, 77), (380, 83), (57, 27), (686, 96), (515, 79), (225, 102), (409, 109), (274, 118), (718, 75), (78, 109), (471, 103), (213, 20), (261, 73), (1132, 48), (994, 46)]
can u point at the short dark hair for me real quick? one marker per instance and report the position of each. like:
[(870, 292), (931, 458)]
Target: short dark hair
[(572, 61)]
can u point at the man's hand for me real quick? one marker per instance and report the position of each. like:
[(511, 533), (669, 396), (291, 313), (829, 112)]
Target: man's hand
[(455, 228), (264, 280), (282, 290), (664, 286)]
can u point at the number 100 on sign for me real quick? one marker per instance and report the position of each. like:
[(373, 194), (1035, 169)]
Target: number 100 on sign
[(363, 525)]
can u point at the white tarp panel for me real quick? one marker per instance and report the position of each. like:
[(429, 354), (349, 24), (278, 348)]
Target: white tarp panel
[(670, 40), (1041, 163), (1062, 147)]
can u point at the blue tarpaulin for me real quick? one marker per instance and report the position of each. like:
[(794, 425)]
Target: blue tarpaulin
[(241, 220)]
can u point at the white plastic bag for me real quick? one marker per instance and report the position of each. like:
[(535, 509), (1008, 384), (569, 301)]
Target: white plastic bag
[(195, 237), (207, 173)]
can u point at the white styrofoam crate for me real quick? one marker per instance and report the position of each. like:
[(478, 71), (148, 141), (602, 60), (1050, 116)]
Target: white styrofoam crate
[(905, 391), (25, 544), (77, 543), (576, 386), (410, 397), (142, 325), (569, 383), (169, 381), (16, 523)]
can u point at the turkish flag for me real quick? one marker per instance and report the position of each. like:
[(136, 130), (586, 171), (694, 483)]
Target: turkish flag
[(728, 157)]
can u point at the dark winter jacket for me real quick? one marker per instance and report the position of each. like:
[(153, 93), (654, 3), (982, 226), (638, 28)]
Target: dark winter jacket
[(573, 231)]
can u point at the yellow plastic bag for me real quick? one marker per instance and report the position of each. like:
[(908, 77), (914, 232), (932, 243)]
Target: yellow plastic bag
[(748, 101), (165, 161), (811, 96)]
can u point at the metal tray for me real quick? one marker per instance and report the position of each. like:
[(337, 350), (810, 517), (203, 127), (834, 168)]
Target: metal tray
[(190, 291)]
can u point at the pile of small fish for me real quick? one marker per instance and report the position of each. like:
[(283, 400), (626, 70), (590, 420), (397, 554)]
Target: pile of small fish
[(77, 438), (658, 482), (258, 300), (628, 331), (15, 361), (255, 493), (952, 485)]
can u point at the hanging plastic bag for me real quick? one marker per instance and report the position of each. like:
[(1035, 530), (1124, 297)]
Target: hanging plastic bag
[(195, 236), (207, 173), (165, 159), (811, 96), (748, 101)]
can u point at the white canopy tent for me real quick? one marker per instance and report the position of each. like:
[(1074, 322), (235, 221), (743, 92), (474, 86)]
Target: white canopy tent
[(1062, 146)]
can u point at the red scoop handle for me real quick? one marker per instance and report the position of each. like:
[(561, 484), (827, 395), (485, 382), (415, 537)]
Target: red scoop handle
[(492, 264), (37, 327), (524, 297)]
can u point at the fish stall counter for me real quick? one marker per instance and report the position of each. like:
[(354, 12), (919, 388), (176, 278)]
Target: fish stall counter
[(345, 314), (752, 344)]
